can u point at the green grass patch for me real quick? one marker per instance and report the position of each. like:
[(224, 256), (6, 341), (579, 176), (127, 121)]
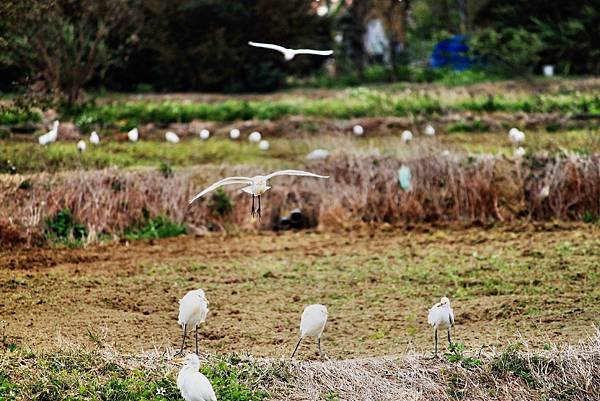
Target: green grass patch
[(63, 229), (156, 227)]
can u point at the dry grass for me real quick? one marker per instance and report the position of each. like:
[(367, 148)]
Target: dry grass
[(363, 188)]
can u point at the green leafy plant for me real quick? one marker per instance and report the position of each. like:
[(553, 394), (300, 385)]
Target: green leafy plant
[(511, 363), (220, 203), (62, 228), (157, 227), (226, 383), (457, 355)]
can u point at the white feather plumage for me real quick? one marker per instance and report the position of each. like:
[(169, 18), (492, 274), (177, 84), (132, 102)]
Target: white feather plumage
[(192, 384)]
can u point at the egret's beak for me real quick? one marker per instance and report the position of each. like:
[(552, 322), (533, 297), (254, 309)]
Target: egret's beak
[(178, 361)]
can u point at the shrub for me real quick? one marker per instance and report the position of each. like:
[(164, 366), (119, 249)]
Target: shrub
[(157, 227), (62, 228)]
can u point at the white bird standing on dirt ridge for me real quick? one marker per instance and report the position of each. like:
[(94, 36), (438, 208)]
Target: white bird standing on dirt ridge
[(258, 185), (312, 324), (429, 130), (407, 136), (515, 135), (234, 133), (289, 54), (193, 385), (81, 146), (441, 317), (171, 137), (193, 308), (133, 135), (94, 138), (255, 137), (50, 136)]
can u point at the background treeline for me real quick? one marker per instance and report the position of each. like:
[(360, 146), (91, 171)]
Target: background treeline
[(66, 46)]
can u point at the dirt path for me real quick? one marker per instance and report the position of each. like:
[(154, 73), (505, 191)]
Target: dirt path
[(541, 285)]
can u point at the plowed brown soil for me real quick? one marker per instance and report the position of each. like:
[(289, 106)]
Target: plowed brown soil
[(507, 284)]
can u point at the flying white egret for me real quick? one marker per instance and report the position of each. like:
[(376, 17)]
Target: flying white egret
[(192, 384), (407, 136), (258, 184), (358, 130), (289, 54), (50, 136), (204, 134), (234, 133), (255, 136), (94, 138), (312, 324), (515, 135), (519, 152), (263, 145), (133, 135), (441, 317), (193, 308), (171, 137), (318, 154), (429, 130), (81, 146)]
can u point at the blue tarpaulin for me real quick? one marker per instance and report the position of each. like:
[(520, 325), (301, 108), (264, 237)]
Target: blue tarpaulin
[(452, 53)]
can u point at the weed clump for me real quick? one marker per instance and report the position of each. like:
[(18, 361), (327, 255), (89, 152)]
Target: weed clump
[(63, 229), (153, 228)]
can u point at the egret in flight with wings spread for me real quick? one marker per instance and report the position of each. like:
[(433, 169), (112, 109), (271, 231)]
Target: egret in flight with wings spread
[(256, 186), (289, 54)]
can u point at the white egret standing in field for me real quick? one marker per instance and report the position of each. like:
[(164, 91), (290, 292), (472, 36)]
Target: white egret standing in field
[(515, 135), (263, 145), (255, 137), (429, 130), (193, 308), (50, 136), (312, 324), (204, 134), (94, 138), (289, 54), (258, 185), (519, 152), (81, 146), (441, 317), (234, 133), (318, 154), (171, 137), (407, 136), (133, 135), (192, 384), (358, 130)]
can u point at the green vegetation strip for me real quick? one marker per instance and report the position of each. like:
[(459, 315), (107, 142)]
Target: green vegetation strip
[(359, 102)]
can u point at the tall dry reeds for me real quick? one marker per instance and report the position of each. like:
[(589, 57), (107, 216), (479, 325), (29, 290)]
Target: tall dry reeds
[(362, 188)]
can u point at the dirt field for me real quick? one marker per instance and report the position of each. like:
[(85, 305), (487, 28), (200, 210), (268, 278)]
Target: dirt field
[(508, 284)]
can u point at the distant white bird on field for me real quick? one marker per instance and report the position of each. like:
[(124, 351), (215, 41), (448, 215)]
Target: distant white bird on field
[(81, 146), (255, 136), (358, 130), (234, 133), (193, 308), (318, 154), (312, 324), (94, 138), (192, 384), (515, 135), (520, 152), (133, 135), (171, 137), (50, 136), (263, 145), (407, 136), (258, 185), (429, 130), (204, 134), (545, 192), (441, 317), (289, 54), (445, 153)]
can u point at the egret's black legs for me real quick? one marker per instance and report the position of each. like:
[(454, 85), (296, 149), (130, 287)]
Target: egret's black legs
[(297, 345), (197, 341), (182, 341), (319, 347), (436, 343), (252, 210), (258, 211), (449, 340)]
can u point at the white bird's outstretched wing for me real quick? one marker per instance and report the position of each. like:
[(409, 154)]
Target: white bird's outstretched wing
[(269, 46), (317, 52), (295, 172), (224, 181)]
